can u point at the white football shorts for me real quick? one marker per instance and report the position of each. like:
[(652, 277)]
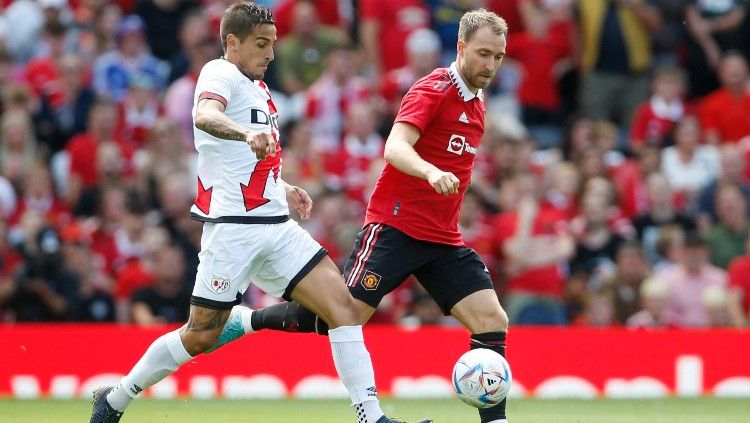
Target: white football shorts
[(275, 257)]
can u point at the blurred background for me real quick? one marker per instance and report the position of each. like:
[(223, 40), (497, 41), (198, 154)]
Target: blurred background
[(611, 187)]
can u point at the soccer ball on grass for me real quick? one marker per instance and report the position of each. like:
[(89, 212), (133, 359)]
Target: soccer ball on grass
[(481, 378)]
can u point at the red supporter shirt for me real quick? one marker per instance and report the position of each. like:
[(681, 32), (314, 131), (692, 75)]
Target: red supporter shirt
[(538, 57), (723, 112), (548, 279), (396, 19), (450, 119), (649, 127), (739, 277)]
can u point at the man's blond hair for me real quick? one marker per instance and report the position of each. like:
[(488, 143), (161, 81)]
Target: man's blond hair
[(473, 20)]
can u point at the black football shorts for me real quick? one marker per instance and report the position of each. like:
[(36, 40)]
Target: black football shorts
[(383, 257)]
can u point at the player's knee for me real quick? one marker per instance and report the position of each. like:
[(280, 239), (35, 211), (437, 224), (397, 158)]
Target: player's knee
[(199, 342), (490, 320), (345, 313)]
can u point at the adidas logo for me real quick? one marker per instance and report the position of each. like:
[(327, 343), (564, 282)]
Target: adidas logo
[(491, 381), (372, 392), (135, 389), (463, 118)]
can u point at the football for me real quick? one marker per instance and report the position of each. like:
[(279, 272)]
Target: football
[(481, 378)]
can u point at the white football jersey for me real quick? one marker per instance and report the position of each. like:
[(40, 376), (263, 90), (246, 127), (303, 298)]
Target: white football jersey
[(233, 186)]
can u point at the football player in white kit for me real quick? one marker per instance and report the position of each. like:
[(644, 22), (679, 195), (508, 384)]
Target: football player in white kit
[(247, 233)]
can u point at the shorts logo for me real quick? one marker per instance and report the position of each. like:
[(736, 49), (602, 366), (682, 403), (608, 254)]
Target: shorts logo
[(371, 280), (219, 284)]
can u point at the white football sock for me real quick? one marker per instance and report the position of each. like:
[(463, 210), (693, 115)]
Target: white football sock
[(499, 421), (354, 367), (245, 314), (161, 359)]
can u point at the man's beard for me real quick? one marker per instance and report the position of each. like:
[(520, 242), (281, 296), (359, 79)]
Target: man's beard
[(473, 78)]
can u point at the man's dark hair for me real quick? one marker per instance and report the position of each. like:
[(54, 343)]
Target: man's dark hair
[(241, 19)]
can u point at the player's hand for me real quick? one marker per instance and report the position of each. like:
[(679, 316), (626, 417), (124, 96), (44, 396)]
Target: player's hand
[(262, 144), (444, 183), (299, 200)]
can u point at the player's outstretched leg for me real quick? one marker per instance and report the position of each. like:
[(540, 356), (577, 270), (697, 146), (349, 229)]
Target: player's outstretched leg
[(324, 293), (482, 314), (237, 326), (162, 358), (288, 317)]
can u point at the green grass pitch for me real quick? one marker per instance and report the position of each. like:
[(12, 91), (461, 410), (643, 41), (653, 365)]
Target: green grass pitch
[(671, 410)]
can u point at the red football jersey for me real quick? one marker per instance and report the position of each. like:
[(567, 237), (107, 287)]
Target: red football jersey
[(450, 119)]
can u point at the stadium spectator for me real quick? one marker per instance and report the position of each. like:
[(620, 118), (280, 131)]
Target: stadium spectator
[(667, 40), (97, 304), (654, 313), (688, 282), (302, 53), (194, 30), (98, 29), (347, 167), (37, 195), (544, 51), (81, 152), (422, 55), (564, 183), (19, 148), (164, 153), (477, 232), (383, 30), (670, 247), (714, 28), (655, 119), (596, 241), (179, 95), (44, 288), (64, 115), (688, 165), (332, 13), (162, 20), (42, 73), (139, 109), (167, 299), (726, 238), (303, 165), (662, 212), (329, 98), (733, 168), (533, 247), (623, 284), (724, 112), (615, 57), (715, 301), (114, 71)]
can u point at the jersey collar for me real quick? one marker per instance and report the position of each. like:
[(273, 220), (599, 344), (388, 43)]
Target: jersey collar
[(463, 89)]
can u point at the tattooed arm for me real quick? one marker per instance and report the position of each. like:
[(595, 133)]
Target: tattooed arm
[(210, 118)]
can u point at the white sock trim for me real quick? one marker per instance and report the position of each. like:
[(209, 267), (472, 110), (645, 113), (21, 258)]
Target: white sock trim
[(246, 317), (346, 334), (176, 348)]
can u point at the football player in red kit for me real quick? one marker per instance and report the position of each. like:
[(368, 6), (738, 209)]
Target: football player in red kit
[(411, 225)]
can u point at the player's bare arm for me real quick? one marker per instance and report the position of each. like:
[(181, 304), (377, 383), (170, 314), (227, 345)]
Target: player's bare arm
[(210, 118), (299, 200), (399, 152)]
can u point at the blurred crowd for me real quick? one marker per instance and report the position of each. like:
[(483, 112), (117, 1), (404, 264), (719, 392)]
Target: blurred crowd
[(611, 187)]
